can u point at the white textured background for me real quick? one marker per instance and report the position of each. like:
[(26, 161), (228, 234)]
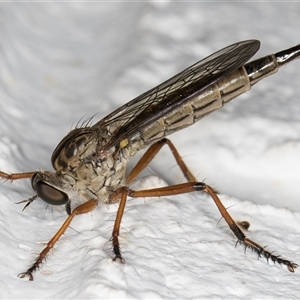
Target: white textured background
[(62, 62)]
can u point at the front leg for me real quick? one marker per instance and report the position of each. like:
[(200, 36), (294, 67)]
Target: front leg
[(82, 209)]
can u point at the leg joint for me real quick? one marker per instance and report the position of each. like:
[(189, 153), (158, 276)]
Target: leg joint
[(199, 186)]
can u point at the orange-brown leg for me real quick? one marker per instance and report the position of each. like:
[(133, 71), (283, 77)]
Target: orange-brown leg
[(150, 154), (187, 188), (120, 194), (200, 186), (16, 176), (82, 209)]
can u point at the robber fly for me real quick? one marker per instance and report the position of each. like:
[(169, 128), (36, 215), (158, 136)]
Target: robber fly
[(90, 162)]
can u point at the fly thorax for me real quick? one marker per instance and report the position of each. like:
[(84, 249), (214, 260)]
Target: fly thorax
[(102, 175)]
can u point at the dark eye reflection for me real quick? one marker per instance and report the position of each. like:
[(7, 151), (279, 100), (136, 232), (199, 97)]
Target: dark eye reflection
[(50, 195)]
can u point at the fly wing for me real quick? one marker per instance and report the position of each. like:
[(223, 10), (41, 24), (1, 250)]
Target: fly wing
[(135, 115)]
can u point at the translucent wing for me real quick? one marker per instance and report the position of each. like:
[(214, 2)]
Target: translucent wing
[(155, 103)]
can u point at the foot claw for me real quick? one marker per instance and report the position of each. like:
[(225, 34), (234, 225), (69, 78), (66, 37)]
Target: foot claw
[(26, 274), (118, 255), (122, 260), (292, 266)]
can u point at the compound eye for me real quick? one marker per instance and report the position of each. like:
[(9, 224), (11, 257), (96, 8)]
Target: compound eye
[(51, 195)]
